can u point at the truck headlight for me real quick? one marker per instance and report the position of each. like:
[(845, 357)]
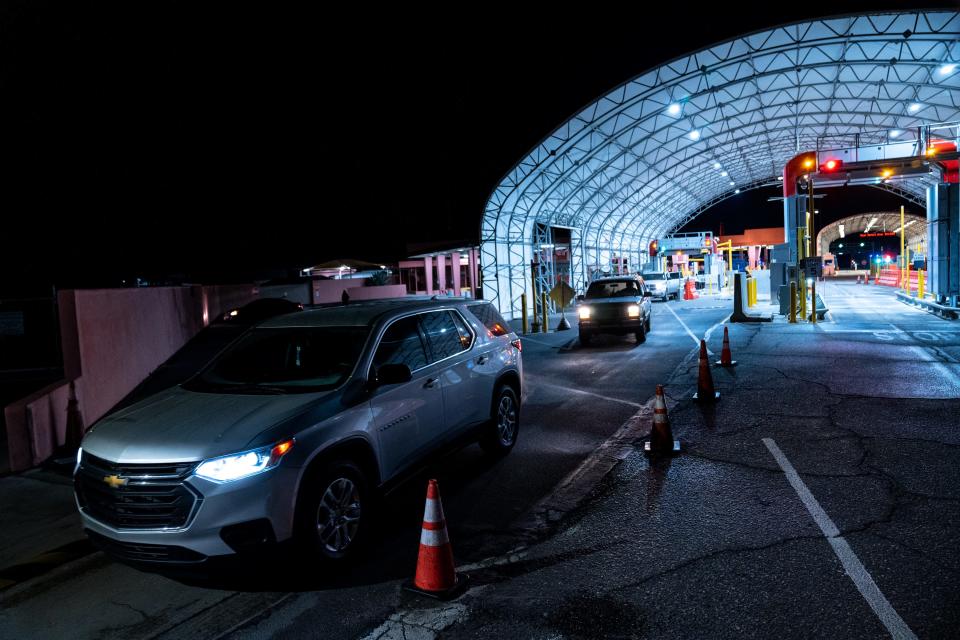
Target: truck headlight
[(243, 464), (584, 313), (633, 311)]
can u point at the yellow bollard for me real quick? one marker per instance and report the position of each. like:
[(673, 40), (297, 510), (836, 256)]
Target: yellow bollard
[(523, 313), (546, 315), (920, 282), (803, 299), (793, 302)]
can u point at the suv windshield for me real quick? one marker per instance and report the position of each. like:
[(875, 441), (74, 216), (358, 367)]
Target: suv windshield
[(654, 276), (612, 289), (284, 360)]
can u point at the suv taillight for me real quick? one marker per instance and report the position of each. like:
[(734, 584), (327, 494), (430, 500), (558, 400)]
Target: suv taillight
[(517, 344)]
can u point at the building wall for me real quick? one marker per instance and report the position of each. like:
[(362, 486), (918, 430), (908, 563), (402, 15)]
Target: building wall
[(112, 340)]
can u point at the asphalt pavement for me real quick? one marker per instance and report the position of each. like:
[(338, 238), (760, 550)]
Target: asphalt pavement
[(851, 422)]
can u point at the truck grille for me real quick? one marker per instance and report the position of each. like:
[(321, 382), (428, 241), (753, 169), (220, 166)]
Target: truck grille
[(154, 496)]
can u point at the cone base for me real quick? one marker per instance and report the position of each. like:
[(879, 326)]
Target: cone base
[(716, 396), (648, 449), (448, 594), (719, 363)]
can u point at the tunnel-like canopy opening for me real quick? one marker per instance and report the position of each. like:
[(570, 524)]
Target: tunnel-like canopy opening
[(655, 152), (871, 228)]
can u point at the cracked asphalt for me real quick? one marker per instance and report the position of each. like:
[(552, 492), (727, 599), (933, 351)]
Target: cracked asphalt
[(716, 543), (712, 543)]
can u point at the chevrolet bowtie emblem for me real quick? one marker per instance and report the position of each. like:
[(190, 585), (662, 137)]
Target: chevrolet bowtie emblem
[(115, 482)]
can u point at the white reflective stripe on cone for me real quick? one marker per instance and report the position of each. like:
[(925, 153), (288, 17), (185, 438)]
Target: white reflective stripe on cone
[(433, 512), (436, 538)]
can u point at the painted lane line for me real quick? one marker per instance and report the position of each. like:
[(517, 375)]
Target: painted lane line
[(692, 335), (710, 331), (541, 382), (851, 563)]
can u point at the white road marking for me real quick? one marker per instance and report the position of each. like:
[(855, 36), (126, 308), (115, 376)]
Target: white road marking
[(709, 332), (851, 563), (420, 624), (542, 382), (683, 324)]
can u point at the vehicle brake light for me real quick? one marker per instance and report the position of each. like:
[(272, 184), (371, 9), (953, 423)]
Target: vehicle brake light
[(517, 344)]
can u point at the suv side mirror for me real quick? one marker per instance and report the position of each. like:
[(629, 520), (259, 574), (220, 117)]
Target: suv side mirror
[(647, 293), (393, 374)]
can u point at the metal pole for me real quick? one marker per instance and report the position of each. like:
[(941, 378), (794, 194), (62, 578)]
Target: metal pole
[(793, 302), (813, 301), (801, 281), (903, 255), (523, 312), (536, 324), (920, 282), (543, 306)]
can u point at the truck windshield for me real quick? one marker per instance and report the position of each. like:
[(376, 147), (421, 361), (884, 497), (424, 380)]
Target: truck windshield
[(284, 360), (612, 289), (654, 276)]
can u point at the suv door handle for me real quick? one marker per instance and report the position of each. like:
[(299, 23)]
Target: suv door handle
[(430, 383), (483, 359)]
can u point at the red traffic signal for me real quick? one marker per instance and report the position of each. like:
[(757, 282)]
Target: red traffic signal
[(831, 165)]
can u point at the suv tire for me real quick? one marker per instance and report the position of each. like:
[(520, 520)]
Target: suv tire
[(334, 512), (500, 434), (641, 333)]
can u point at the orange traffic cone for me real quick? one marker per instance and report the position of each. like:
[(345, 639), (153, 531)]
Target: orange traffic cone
[(705, 391), (661, 436), (436, 576), (688, 293), (726, 358)]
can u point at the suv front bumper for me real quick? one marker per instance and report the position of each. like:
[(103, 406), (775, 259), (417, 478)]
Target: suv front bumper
[(269, 496)]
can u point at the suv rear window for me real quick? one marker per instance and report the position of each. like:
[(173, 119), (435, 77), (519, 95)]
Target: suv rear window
[(490, 317)]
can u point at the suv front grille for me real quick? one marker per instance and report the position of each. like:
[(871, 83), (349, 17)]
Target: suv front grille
[(136, 496)]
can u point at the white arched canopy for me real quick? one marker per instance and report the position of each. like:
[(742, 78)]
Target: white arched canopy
[(644, 159)]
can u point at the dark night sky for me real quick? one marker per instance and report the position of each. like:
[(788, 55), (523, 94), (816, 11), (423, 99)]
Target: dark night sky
[(205, 142)]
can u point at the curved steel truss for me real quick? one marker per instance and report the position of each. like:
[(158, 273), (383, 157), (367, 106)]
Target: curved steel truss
[(658, 150)]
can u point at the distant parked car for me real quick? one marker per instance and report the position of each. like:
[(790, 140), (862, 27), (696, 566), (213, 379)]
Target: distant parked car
[(662, 285), (617, 305), (291, 430), (259, 310)]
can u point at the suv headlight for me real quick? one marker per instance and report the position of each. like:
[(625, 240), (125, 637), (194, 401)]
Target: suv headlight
[(633, 311), (243, 464), (584, 313)]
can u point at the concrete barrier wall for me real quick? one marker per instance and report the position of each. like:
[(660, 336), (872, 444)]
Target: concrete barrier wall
[(326, 291), (112, 340)]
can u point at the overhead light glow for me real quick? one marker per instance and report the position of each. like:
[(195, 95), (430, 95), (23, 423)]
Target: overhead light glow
[(780, 178), (736, 190), (895, 133), (886, 173), (732, 183), (716, 165), (947, 68), (674, 109), (695, 134), (842, 234), (723, 173), (913, 108), (840, 245), (931, 151)]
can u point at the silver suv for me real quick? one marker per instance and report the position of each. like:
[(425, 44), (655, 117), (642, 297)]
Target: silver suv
[(292, 429)]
